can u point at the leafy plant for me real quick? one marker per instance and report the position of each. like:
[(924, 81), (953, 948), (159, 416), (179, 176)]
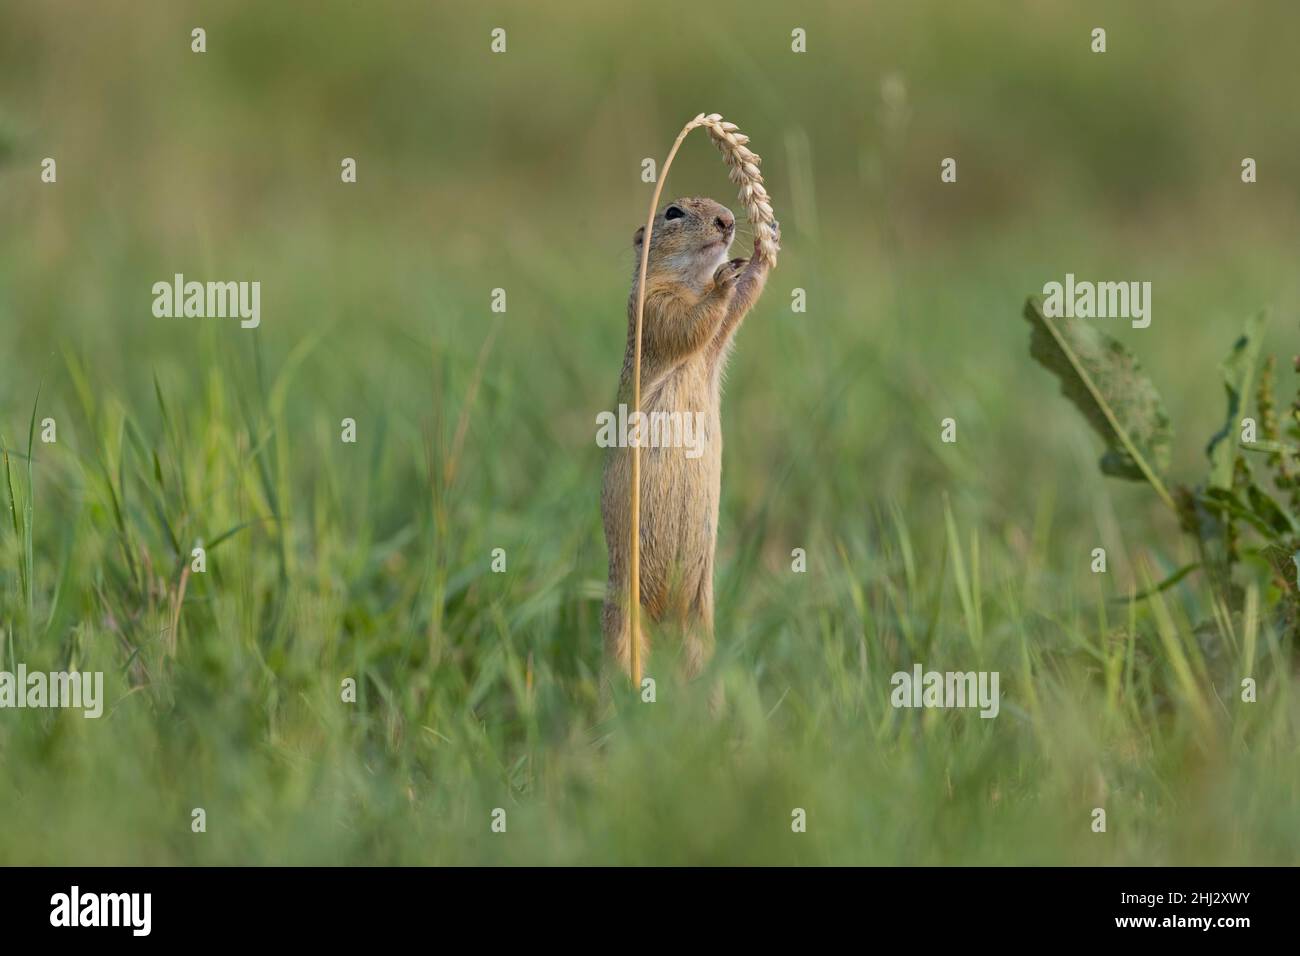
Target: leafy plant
[(1107, 384)]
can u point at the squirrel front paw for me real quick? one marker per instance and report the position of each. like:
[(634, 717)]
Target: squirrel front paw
[(727, 273)]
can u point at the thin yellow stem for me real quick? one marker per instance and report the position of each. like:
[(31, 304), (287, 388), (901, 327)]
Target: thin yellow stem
[(634, 598)]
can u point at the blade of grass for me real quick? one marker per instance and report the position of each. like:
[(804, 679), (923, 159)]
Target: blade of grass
[(969, 613)]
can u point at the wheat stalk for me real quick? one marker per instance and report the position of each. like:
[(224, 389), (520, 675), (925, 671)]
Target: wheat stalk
[(744, 164)]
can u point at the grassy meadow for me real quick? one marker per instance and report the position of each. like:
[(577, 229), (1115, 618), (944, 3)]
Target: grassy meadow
[(476, 431)]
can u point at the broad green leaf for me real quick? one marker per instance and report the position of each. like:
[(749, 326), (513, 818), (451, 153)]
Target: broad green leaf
[(1225, 501), (1238, 370), (1271, 447), (1106, 383), (1286, 563), (1270, 512)]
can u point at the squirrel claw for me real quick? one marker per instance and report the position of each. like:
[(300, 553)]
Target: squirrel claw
[(729, 272)]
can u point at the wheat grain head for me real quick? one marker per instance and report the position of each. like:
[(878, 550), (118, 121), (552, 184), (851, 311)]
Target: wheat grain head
[(745, 174)]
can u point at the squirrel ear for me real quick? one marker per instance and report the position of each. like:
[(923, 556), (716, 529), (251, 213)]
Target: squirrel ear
[(639, 237)]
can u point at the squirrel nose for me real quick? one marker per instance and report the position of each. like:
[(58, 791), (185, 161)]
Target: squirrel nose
[(725, 223)]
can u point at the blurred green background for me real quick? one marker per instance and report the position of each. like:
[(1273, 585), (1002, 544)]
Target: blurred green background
[(476, 431)]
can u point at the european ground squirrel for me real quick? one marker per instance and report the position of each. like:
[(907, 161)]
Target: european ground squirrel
[(695, 301)]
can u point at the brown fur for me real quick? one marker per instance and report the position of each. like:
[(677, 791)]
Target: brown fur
[(695, 301)]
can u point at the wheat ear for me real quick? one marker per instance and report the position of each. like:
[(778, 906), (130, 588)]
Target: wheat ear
[(744, 164)]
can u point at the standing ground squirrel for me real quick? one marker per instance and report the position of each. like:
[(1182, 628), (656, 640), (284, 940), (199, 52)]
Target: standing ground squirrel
[(695, 300)]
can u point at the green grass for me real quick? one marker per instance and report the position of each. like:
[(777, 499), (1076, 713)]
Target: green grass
[(477, 690)]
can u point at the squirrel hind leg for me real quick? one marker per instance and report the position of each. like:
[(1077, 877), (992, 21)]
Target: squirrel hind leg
[(697, 650), (617, 629)]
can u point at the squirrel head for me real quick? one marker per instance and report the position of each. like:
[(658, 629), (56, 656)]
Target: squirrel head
[(691, 238)]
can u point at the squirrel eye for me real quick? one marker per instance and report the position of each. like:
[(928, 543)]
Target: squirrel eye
[(673, 212)]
